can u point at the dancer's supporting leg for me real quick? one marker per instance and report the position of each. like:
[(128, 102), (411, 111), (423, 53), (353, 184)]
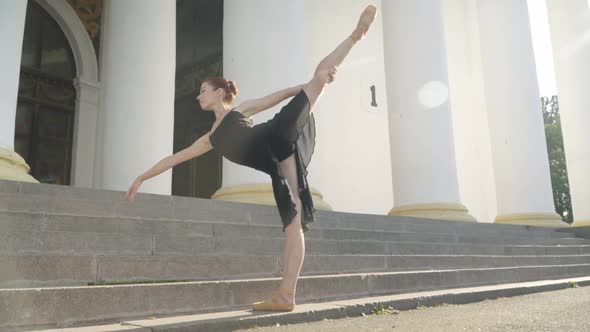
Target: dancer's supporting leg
[(294, 238), (295, 241)]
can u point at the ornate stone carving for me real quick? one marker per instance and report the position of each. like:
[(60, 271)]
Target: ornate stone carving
[(90, 12)]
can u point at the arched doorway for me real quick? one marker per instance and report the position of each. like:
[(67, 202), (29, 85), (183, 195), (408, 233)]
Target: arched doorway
[(46, 99)]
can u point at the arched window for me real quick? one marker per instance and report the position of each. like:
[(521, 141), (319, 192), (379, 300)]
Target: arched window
[(46, 99)]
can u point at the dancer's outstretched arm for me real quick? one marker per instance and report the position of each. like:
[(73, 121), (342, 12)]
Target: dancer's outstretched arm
[(254, 106), (201, 146)]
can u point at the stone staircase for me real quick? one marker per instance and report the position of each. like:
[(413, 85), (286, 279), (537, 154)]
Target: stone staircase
[(71, 256)]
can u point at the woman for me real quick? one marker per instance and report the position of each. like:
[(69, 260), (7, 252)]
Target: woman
[(281, 147)]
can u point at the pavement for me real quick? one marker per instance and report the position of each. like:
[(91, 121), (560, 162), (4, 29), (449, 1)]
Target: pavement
[(562, 310)]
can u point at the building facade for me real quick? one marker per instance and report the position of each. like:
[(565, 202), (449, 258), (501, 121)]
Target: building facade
[(435, 113)]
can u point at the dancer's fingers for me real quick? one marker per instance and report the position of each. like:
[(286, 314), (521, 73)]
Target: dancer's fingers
[(129, 195)]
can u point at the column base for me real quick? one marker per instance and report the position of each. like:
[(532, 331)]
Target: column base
[(261, 193), (531, 219), (581, 223), (13, 167), (443, 211)]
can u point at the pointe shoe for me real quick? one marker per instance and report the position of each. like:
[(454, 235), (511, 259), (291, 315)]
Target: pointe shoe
[(365, 21), (274, 303)]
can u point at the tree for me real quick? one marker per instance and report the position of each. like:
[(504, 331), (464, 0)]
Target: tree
[(557, 163)]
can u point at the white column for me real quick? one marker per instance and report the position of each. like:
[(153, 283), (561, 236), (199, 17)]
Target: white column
[(12, 27), (421, 132), (137, 111), (470, 119), (263, 51), (519, 150), (569, 27)]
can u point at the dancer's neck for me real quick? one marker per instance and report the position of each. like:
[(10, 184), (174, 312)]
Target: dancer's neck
[(221, 110)]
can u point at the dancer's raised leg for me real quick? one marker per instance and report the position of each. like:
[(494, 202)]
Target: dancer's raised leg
[(326, 69)]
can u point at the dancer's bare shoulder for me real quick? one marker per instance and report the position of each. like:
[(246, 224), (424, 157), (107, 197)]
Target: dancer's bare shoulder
[(247, 108)]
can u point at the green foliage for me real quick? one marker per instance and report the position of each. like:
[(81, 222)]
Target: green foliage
[(381, 310), (557, 162)]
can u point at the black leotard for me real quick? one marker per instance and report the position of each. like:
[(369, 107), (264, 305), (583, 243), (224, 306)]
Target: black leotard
[(264, 146)]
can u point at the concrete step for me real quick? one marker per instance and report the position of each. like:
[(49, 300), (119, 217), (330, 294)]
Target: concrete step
[(313, 312), (77, 305), (48, 270), (342, 247), (93, 243), (51, 199), (258, 231), (181, 209), (579, 231), (19, 221)]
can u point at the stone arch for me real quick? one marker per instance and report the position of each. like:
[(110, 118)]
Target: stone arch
[(71, 25), (88, 91)]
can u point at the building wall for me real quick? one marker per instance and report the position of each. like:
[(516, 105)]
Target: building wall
[(352, 163)]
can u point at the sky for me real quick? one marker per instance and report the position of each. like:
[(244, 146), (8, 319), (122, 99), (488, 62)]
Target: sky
[(542, 47)]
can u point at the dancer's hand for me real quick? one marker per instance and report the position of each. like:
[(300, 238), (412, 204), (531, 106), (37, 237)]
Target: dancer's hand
[(328, 75), (130, 196), (332, 73)]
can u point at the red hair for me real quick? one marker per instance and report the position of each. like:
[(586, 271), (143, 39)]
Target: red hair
[(229, 87)]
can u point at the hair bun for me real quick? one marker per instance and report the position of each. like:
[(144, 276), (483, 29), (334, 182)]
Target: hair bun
[(232, 87), (229, 87)]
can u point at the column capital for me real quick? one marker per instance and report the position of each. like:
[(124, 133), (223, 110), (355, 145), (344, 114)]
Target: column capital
[(581, 223), (262, 193), (444, 211), (531, 219)]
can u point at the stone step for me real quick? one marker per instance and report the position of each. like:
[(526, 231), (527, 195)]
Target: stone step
[(78, 305), (48, 270), (53, 193), (92, 243), (191, 210), (315, 312), (51, 199), (258, 231), (579, 231), (340, 247), (15, 221)]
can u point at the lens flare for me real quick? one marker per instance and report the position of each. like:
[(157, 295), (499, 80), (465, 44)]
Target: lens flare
[(433, 94)]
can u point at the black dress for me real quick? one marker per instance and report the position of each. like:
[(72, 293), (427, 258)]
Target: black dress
[(264, 146)]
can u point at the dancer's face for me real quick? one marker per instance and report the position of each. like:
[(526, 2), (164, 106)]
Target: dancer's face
[(209, 96)]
